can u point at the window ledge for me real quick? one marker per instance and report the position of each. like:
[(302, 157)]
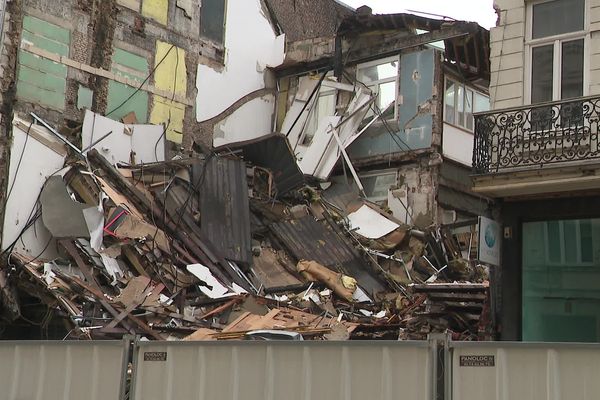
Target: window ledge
[(462, 128)]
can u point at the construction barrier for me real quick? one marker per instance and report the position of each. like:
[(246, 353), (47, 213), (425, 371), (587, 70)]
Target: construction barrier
[(270, 370), (63, 370), (298, 370), (532, 371)]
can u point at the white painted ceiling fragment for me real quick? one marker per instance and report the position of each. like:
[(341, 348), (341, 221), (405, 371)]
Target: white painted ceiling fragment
[(371, 224)]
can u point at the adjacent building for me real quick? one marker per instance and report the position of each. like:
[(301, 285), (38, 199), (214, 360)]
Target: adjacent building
[(536, 153)]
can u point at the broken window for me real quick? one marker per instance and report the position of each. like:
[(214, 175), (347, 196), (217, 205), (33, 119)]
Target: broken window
[(557, 41), (460, 102), (381, 76), (212, 20), (324, 106), (377, 185)]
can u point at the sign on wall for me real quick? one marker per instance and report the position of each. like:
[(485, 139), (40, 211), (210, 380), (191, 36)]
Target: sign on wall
[(489, 241)]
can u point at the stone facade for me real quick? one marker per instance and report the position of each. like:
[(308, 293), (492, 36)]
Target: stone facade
[(508, 42)]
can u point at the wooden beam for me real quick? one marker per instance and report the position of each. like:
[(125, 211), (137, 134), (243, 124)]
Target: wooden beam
[(392, 47), (94, 289)]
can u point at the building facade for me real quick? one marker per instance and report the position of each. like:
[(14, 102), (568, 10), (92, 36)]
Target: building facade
[(147, 73), (411, 143), (536, 153)]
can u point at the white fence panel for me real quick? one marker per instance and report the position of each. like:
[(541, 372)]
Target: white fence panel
[(62, 370), (532, 371), (282, 370)]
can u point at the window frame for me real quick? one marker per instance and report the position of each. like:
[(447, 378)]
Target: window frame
[(395, 79), (465, 87), (306, 136), (556, 41), (217, 44), (376, 174), (562, 248)]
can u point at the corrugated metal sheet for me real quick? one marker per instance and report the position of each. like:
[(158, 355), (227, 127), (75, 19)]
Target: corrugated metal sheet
[(308, 239), (62, 370), (271, 272), (224, 206), (274, 153), (533, 371), (284, 371)]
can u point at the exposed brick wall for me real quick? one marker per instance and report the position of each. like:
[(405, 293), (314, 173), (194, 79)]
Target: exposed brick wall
[(96, 27), (103, 32)]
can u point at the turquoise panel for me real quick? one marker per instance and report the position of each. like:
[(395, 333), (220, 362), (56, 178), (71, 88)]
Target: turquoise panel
[(46, 29), (46, 44), (130, 60), (33, 93), (412, 131), (561, 281), (118, 92), (41, 80)]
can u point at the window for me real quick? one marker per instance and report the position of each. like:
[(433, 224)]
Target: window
[(377, 185), (569, 242), (212, 20), (381, 77), (324, 106), (557, 42), (460, 102)]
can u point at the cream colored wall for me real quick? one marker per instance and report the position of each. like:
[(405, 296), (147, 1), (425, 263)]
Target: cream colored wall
[(594, 79), (507, 57)]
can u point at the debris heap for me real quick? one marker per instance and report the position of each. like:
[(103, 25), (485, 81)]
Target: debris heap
[(235, 241)]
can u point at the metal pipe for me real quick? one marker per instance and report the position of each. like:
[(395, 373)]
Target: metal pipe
[(58, 135), (347, 159), (96, 142)]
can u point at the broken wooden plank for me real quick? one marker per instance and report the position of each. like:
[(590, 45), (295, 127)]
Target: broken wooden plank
[(221, 308), (135, 304), (87, 271)]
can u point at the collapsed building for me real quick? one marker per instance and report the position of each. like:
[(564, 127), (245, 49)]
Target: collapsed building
[(313, 185)]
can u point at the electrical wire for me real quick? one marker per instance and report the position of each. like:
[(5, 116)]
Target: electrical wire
[(402, 145), (18, 164), (143, 82), (166, 128)]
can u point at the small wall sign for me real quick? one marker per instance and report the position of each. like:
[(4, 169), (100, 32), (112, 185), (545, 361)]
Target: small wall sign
[(155, 356), (477, 361)]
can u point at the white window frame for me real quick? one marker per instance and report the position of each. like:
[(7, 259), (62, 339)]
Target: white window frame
[(465, 88), (395, 79), (531, 43), (323, 91)]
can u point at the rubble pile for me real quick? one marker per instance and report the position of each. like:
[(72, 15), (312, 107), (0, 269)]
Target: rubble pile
[(218, 246)]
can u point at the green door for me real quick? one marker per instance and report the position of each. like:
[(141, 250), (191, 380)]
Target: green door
[(561, 280)]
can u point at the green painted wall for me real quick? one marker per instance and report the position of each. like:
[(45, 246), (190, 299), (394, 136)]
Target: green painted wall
[(41, 80), (134, 67)]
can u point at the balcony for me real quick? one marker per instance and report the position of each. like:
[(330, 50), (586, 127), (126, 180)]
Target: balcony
[(545, 148)]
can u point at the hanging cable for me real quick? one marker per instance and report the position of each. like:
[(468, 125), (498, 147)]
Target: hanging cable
[(143, 82)]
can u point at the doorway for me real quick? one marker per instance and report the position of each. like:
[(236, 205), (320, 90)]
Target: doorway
[(561, 281)]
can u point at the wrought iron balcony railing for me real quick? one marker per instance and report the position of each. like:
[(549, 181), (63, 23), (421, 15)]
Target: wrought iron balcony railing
[(536, 135)]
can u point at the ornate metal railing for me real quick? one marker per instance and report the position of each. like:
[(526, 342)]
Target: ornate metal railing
[(536, 135)]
